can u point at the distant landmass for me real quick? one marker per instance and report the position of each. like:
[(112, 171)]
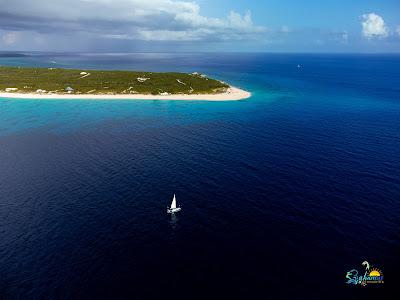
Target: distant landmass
[(12, 55)]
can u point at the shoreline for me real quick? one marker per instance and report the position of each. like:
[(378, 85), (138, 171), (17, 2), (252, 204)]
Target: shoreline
[(231, 94)]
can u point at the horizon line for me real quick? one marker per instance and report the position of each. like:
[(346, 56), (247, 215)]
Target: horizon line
[(191, 52)]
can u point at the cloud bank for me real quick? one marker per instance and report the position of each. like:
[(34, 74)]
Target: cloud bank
[(145, 20)]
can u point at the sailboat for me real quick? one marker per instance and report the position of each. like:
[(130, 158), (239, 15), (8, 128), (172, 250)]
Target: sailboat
[(173, 208)]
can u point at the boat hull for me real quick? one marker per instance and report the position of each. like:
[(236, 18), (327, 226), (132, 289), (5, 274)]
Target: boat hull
[(173, 210)]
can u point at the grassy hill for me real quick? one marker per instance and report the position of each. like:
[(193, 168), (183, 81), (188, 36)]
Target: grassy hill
[(60, 81)]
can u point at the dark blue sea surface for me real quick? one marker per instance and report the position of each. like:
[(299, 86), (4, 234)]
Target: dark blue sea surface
[(282, 194)]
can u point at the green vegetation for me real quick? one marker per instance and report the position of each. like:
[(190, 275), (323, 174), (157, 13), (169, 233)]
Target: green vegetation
[(60, 81)]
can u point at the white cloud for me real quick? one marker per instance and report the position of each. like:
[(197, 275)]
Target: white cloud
[(285, 29), (148, 20), (10, 38), (345, 36), (373, 26), (398, 30)]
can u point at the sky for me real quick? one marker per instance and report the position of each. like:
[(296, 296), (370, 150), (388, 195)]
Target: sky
[(360, 26)]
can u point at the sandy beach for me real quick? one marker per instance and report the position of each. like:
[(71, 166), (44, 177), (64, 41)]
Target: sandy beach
[(231, 94)]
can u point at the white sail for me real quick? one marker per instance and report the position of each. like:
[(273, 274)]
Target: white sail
[(173, 204)]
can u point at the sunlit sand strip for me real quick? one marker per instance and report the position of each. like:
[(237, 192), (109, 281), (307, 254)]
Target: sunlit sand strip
[(231, 94)]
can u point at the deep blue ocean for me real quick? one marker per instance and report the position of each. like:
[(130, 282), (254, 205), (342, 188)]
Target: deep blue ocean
[(282, 194)]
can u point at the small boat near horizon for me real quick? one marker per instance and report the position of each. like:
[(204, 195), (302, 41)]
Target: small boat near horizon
[(173, 208)]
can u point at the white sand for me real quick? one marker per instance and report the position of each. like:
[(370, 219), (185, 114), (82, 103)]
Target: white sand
[(231, 94)]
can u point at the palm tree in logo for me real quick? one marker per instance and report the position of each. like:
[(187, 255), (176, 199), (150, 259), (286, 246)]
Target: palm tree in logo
[(367, 268), (366, 264)]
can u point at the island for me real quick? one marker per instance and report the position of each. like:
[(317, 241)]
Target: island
[(57, 83)]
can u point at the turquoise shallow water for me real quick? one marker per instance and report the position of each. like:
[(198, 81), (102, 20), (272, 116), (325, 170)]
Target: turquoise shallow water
[(304, 175)]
